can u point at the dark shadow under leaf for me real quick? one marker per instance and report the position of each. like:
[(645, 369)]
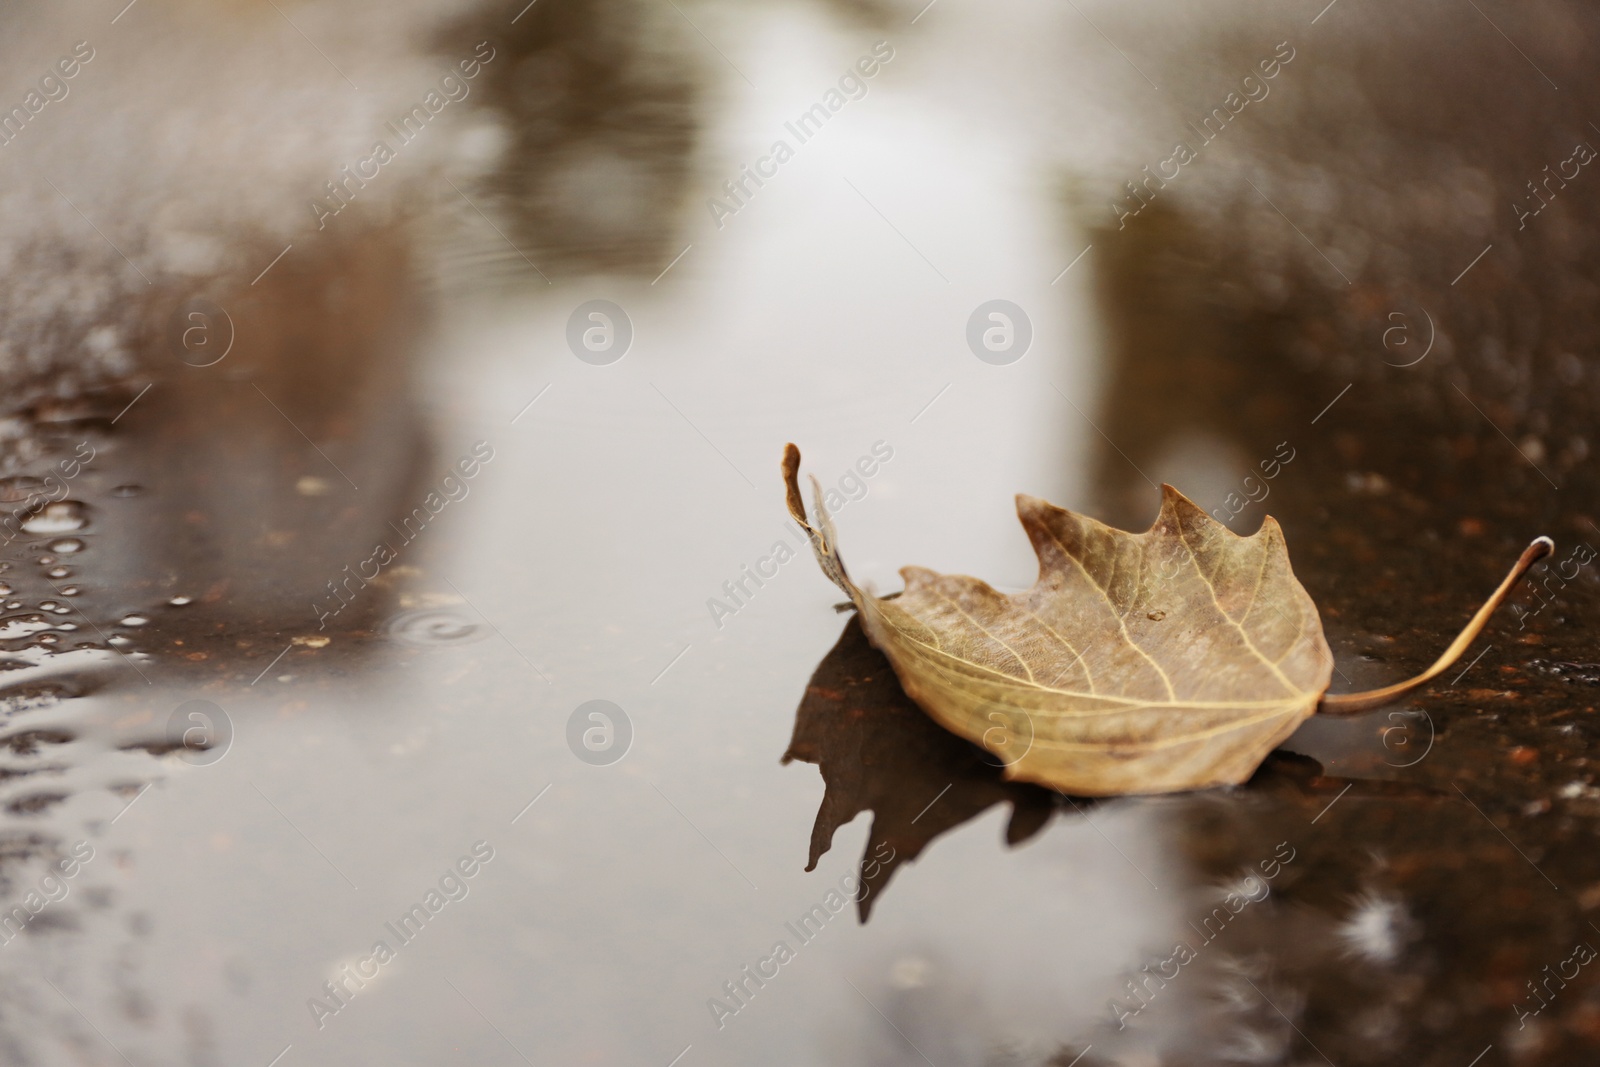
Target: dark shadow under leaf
[(878, 751)]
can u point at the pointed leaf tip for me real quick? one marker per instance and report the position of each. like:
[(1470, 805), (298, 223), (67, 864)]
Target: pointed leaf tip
[(791, 481), (1029, 506)]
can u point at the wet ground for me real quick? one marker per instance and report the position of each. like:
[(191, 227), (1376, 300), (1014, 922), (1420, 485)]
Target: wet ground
[(405, 655)]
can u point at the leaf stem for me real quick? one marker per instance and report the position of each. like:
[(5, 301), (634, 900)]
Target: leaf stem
[(1352, 703)]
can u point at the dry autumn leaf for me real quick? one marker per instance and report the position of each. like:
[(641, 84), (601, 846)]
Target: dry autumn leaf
[(1173, 659)]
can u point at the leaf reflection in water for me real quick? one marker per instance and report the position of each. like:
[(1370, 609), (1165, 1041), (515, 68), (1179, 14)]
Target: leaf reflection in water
[(878, 751)]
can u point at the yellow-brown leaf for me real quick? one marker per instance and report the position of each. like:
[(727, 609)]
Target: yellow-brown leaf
[(1172, 659)]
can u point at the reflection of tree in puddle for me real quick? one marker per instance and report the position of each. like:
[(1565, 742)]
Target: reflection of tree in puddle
[(600, 103), (178, 531), (265, 434), (259, 432)]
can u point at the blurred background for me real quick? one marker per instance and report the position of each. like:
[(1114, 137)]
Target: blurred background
[(406, 656)]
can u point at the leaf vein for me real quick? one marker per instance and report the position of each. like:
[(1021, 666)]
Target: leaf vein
[(1183, 538), (1121, 623)]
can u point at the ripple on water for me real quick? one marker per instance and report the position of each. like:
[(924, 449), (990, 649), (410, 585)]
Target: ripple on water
[(432, 626)]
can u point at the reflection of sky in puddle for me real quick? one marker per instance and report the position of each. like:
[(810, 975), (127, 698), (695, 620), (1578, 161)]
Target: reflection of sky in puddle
[(568, 958), (582, 564), (619, 903), (808, 317)]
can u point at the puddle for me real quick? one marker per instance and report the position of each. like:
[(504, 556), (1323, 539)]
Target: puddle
[(405, 654)]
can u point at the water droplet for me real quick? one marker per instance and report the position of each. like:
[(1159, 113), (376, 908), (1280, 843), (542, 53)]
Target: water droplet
[(13, 605), (59, 516), (5, 590), (132, 619), (127, 490), (58, 572), (48, 639), (50, 605), (70, 590), (66, 546), (66, 626), (180, 601), (119, 640)]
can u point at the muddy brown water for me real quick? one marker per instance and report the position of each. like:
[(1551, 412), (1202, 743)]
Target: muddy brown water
[(405, 656)]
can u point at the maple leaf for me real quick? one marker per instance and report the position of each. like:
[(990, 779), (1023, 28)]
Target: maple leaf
[(1155, 662)]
